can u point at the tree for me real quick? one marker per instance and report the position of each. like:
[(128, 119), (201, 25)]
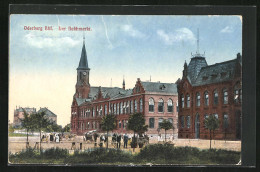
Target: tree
[(136, 123), (27, 123), (166, 125), (66, 128), (108, 123), (40, 122), (211, 123), (53, 127)]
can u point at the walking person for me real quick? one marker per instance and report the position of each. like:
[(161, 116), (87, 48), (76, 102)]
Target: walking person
[(125, 140), (118, 141)]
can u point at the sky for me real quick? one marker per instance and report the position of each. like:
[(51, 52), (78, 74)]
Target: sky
[(42, 64)]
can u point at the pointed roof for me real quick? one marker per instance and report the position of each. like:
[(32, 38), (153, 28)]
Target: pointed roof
[(83, 63)]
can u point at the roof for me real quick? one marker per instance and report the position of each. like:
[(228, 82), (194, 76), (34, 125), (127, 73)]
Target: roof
[(47, 112), (195, 66), (116, 93), (160, 87), (83, 63), (216, 73), (27, 109)]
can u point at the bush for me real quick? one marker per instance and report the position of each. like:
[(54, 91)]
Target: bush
[(54, 153)]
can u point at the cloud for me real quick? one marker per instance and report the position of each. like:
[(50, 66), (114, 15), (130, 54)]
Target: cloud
[(227, 29), (130, 30), (182, 34), (45, 42)]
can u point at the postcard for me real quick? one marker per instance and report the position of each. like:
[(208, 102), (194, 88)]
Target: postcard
[(125, 89)]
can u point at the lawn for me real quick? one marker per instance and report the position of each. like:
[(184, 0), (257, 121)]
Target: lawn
[(152, 154)]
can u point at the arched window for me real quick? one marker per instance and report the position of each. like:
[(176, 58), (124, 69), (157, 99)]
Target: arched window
[(206, 98), (215, 115), (182, 101), (105, 109), (188, 100), (93, 111), (170, 105), (206, 116), (141, 105), (101, 110), (237, 91), (124, 108), (121, 108), (117, 109), (215, 97), (151, 105), (114, 111), (188, 121), (127, 107), (225, 121), (225, 96), (131, 106), (135, 104), (160, 105), (119, 124), (182, 121), (197, 99)]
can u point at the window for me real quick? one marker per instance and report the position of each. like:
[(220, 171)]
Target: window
[(170, 120), (236, 96), (216, 115), (206, 98), (127, 107), (169, 105), (225, 96), (160, 121), (117, 109), (101, 110), (177, 106), (121, 108), (197, 99), (114, 110), (135, 104), (151, 122), (188, 121), (188, 100), (160, 105), (182, 121), (225, 122), (97, 111), (105, 109), (182, 101), (141, 105), (124, 108), (119, 124), (215, 97), (88, 125), (131, 106), (151, 105), (123, 122), (93, 111)]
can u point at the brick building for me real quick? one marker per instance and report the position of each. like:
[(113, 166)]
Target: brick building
[(157, 101), (210, 90), (19, 114)]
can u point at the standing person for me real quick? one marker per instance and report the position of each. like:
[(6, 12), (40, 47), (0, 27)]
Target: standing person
[(125, 140), (118, 141)]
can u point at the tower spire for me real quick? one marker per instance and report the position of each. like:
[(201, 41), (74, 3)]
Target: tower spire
[(198, 41), (83, 63)]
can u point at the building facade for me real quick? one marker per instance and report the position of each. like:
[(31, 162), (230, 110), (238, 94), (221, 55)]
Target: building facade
[(210, 90), (157, 101), (19, 115)]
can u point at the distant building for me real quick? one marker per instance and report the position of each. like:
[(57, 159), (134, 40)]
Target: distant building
[(155, 100), (210, 90), (49, 114), (19, 114)]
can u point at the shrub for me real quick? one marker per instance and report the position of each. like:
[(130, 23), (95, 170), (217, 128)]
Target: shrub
[(54, 153)]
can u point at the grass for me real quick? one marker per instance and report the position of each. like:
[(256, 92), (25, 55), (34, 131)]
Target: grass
[(17, 135), (154, 153)]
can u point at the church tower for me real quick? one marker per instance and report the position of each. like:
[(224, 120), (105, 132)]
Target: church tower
[(82, 85)]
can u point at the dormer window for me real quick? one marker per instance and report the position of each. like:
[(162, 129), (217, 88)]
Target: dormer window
[(213, 76), (162, 87), (223, 74)]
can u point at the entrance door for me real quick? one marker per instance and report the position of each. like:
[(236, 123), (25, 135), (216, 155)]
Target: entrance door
[(197, 126), (238, 125)]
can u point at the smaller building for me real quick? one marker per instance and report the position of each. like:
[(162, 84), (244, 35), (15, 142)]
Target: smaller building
[(19, 115), (49, 114)]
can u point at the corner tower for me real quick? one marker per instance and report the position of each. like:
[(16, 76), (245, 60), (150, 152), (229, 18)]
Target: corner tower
[(82, 85)]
